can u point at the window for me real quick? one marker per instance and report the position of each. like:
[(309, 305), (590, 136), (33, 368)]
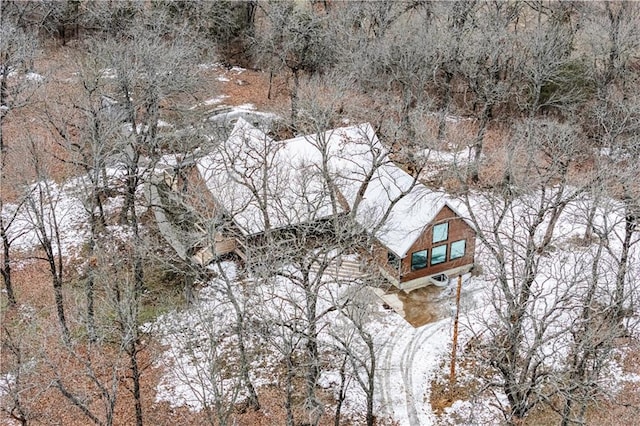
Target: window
[(418, 260), (438, 254), (457, 249), (393, 260), (440, 232)]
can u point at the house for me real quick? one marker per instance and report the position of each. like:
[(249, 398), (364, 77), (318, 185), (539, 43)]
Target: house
[(441, 248), (259, 184)]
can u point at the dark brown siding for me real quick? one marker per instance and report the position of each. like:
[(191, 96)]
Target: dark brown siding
[(197, 194), (379, 256), (458, 230)]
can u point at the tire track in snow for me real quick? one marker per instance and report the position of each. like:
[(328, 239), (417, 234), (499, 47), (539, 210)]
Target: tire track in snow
[(406, 368), (384, 380), (395, 383)]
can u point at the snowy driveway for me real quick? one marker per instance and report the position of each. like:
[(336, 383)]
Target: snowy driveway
[(407, 363)]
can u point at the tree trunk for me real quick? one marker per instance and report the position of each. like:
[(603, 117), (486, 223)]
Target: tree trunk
[(342, 391), (254, 403), (289, 390), (245, 367), (89, 285), (630, 225), (548, 235), (130, 194), (294, 98), (444, 108), (135, 376), (59, 300), (584, 349), (588, 232), (6, 244), (6, 261), (370, 377), (313, 369), (99, 222), (478, 144), (454, 344)]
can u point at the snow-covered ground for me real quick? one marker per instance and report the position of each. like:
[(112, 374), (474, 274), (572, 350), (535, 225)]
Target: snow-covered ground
[(408, 358), (407, 363), (61, 205)]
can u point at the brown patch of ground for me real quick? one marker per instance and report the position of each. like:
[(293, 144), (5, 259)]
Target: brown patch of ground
[(622, 408), (34, 329), (443, 395), (245, 86), (424, 305)]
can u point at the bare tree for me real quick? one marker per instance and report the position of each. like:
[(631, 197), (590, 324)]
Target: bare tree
[(241, 302), (17, 52), (612, 41), (125, 295), (18, 387), (516, 225), (358, 344), (487, 64), (390, 54), (90, 372), (90, 367), (597, 324), (88, 127), (451, 39), (41, 200), (202, 351), (554, 79), (225, 23), (295, 38), (612, 113), (146, 83)]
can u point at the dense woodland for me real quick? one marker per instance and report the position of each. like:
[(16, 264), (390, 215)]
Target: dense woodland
[(536, 102)]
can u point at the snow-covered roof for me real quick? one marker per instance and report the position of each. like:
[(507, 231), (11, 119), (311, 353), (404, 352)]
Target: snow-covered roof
[(252, 171), (264, 183)]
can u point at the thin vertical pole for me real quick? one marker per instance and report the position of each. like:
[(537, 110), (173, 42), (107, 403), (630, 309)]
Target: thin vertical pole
[(452, 374)]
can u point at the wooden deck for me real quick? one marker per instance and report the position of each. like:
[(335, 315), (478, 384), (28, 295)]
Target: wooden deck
[(345, 270)]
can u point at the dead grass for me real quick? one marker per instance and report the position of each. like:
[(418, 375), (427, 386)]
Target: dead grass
[(443, 395), (466, 386), (622, 408), (244, 87)]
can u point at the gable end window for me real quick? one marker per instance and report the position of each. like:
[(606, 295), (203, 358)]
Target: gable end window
[(440, 232), (439, 254), (457, 249), (418, 260)]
